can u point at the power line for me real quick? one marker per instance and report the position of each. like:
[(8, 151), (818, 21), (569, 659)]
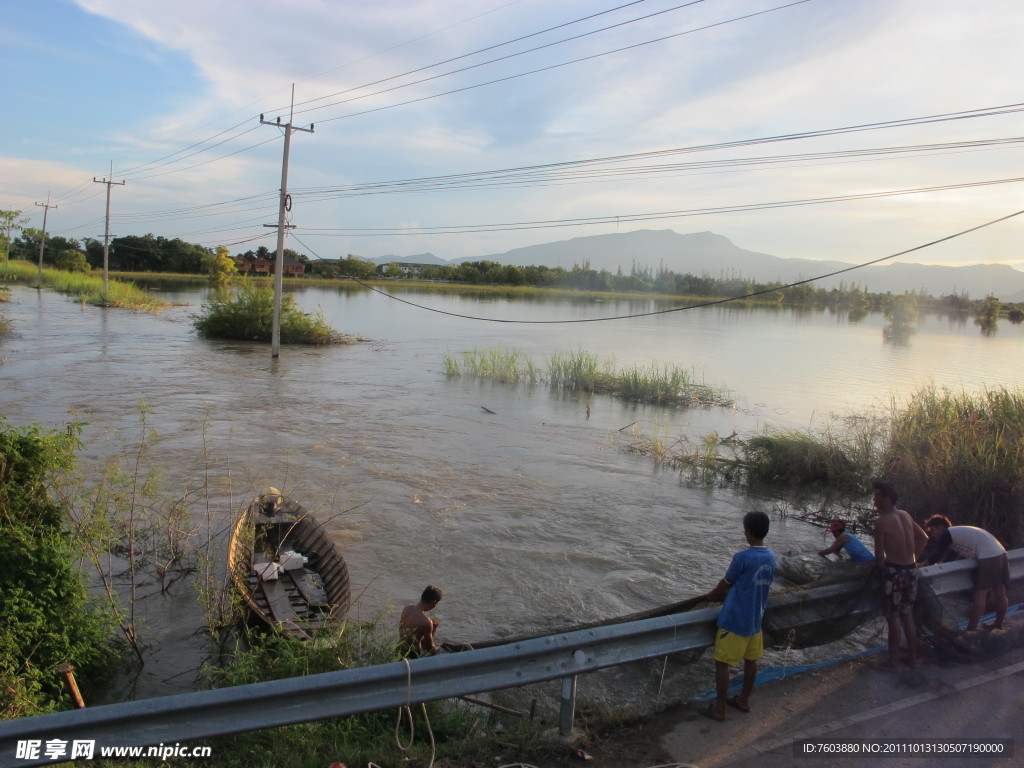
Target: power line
[(550, 67), (200, 146), (702, 304), (556, 173), (477, 52), (547, 173), (494, 61), (634, 217)]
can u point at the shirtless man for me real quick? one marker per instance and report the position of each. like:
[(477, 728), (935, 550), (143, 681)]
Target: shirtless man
[(415, 628), (898, 541)]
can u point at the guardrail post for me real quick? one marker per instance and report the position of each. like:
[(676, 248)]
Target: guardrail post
[(568, 705)]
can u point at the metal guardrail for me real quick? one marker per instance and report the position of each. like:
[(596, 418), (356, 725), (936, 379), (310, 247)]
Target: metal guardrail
[(192, 716)]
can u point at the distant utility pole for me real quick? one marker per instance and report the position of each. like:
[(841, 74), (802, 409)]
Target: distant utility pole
[(42, 240), (106, 228), (286, 204)]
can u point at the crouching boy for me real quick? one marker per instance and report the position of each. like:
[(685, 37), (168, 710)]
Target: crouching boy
[(745, 589)]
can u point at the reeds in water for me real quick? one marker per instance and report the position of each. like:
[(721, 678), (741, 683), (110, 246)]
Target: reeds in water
[(958, 454), (581, 371), (505, 364), (577, 370), (664, 385)]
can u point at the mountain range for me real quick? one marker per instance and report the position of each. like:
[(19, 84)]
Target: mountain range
[(706, 253)]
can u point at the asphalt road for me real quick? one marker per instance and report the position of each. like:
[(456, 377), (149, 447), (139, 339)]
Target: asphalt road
[(940, 705)]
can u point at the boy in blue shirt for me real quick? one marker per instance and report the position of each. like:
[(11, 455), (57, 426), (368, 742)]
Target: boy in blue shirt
[(745, 588)]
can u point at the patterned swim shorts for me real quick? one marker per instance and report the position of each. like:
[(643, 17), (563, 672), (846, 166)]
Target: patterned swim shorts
[(900, 590)]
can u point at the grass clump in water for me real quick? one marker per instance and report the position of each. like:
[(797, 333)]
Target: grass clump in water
[(581, 371), (577, 370), (247, 314), (663, 385), (504, 364)]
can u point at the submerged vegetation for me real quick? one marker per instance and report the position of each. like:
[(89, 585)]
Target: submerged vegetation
[(954, 453), (581, 371), (247, 314), (83, 287)]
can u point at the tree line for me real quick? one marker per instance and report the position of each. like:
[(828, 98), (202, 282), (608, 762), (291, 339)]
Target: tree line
[(150, 253)]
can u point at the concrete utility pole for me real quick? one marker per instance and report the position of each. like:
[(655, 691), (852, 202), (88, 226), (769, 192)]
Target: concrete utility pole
[(42, 240), (285, 206), (106, 228)]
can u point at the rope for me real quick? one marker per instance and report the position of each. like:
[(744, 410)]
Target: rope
[(407, 709)]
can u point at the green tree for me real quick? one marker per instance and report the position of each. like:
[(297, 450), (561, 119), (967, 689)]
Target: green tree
[(901, 312), (220, 266), (987, 317), (9, 222), (71, 261)]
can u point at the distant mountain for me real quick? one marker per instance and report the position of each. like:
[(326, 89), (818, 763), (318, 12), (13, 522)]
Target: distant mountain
[(705, 253)]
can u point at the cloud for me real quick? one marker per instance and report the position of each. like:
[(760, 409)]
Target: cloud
[(185, 72)]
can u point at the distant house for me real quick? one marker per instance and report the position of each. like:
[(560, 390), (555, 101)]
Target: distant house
[(259, 265)]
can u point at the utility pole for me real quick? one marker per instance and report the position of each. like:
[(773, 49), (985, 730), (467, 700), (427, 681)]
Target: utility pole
[(285, 206), (42, 240), (106, 228)]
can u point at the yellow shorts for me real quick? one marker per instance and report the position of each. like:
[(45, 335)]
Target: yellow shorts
[(730, 647)]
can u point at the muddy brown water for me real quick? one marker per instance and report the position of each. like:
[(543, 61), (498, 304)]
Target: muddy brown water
[(529, 516)]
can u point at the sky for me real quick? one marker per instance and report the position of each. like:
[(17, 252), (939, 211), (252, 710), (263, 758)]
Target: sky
[(466, 130)]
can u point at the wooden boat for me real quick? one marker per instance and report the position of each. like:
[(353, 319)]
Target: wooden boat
[(287, 570)]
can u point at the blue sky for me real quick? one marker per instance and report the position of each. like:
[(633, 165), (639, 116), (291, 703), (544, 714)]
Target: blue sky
[(170, 95)]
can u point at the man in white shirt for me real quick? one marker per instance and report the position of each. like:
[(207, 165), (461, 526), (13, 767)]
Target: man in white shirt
[(948, 541)]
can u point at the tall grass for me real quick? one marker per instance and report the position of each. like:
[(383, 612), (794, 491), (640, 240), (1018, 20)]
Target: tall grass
[(962, 455), (86, 288), (505, 364), (663, 385), (796, 457), (954, 453), (577, 370), (581, 371), (5, 324)]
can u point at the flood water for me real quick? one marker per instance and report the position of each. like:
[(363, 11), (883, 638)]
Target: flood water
[(529, 517)]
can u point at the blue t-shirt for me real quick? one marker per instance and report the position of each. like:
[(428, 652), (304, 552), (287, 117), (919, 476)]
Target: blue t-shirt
[(750, 574), (856, 550)]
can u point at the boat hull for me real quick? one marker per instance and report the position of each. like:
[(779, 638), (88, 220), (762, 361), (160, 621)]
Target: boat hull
[(286, 569)]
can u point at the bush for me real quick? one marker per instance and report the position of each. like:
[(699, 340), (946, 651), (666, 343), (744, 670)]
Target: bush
[(248, 315), (45, 616)]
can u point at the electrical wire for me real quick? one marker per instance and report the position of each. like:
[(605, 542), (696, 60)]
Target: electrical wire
[(714, 302), (636, 217), (552, 66), (574, 171), (491, 61), (472, 53)]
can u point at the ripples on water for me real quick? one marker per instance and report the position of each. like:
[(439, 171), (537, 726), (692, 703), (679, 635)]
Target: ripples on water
[(528, 518)]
